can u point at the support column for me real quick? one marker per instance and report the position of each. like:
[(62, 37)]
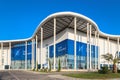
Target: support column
[(98, 51), (41, 47), (108, 49), (118, 46), (95, 51), (26, 55), (33, 52), (10, 55), (54, 67), (2, 54), (36, 52), (90, 47), (48, 58), (75, 43), (87, 46), (108, 45)]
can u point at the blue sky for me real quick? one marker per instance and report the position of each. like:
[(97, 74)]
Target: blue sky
[(20, 18)]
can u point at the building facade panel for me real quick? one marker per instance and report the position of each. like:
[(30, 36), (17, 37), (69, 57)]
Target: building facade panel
[(72, 36)]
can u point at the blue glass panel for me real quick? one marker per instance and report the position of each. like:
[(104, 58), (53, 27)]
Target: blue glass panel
[(70, 47), (18, 53), (29, 52), (61, 49), (51, 51), (67, 47), (81, 49)]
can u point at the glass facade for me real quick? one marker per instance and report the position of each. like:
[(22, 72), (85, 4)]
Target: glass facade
[(18, 56), (65, 52)]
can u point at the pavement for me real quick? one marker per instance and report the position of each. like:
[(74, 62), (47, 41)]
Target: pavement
[(24, 75), (30, 75)]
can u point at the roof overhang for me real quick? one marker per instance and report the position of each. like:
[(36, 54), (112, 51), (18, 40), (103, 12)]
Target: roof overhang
[(63, 20)]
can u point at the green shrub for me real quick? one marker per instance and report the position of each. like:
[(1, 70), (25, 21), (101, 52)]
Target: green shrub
[(59, 66), (104, 70), (118, 71), (33, 69), (49, 65), (45, 70), (41, 70)]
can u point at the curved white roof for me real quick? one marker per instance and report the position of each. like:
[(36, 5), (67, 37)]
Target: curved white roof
[(59, 14)]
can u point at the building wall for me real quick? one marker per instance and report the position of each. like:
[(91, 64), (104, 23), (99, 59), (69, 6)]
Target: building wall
[(103, 43), (81, 37), (59, 37), (65, 34), (4, 57)]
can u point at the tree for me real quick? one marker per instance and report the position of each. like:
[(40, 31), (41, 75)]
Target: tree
[(109, 57)]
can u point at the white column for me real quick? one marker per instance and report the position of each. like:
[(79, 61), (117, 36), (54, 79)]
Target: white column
[(118, 46), (75, 25), (26, 55), (95, 50), (41, 47), (10, 55), (108, 49), (88, 46), (54, 44), (108, 45), (36, 52), (98, 51), (2, 54), (48, 57), (33, 52)]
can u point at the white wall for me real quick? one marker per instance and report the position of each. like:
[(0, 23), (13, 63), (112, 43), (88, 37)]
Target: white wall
[(67, 34), (6, 56), (59, 37)]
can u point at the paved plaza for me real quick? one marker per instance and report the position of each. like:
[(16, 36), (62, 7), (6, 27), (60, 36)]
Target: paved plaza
[(30, 75)]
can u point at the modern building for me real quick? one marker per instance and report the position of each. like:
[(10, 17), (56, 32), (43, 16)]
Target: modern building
[(70, 37)]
